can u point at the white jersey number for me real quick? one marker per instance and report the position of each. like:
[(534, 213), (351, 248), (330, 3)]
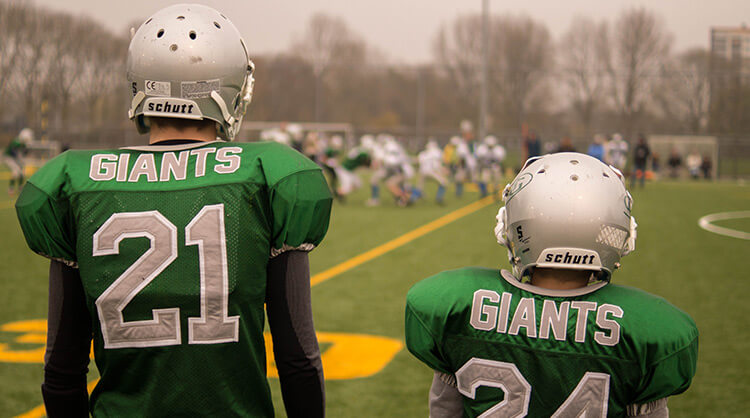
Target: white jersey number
[(206, 230), (588, 399)]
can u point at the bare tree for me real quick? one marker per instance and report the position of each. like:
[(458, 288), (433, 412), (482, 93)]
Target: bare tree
[(12, 14), (684, 91), (327, 44), (520, 64), (33, 62), (70, 39), (458, 53), (102, 80), (580, 69), (633, 55), (520, 57)]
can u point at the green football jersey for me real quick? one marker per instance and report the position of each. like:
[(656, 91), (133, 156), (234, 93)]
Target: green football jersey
[(15, 148), (519, 349), (172, 243), (357, 157)]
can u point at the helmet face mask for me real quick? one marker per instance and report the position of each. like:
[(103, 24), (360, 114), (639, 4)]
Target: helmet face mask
[(188, 61), (566, 211)]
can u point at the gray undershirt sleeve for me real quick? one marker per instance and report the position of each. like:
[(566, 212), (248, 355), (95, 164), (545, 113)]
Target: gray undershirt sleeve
[(445, 399), (654, 409), (295, 345)]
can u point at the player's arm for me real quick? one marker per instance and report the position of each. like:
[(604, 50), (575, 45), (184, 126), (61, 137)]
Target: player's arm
[(295, 345), (655, 409), (68, 343), (445, 399)]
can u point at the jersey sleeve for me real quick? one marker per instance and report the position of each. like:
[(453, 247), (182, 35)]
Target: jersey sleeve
[(301, 204), (422, 329), (673, 359), (671, 375), (43, 210)]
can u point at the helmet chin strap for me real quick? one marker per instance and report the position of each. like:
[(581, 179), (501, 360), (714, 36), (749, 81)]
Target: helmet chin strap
[(137, 99), (630, 243), (233, 123)]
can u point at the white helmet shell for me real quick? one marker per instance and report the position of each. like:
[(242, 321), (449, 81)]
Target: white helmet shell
[(188, 61), (567, 211), (26, 135)]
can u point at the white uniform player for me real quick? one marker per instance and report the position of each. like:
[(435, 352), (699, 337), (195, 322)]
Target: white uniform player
[(617, 152), (431, 166)]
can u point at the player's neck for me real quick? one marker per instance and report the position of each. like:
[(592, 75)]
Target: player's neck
[(560, 279), (205, 133)]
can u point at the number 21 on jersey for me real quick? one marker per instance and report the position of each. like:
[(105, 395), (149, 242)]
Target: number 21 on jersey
[(206, 230)]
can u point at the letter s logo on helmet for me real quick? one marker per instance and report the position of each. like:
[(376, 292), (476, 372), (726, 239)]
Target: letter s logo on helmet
[(191, 52)]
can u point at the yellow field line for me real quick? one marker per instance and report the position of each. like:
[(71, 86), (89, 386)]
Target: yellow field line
[(355, 261), (398, 242)]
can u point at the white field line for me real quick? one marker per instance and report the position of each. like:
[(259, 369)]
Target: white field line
[(706, 223)]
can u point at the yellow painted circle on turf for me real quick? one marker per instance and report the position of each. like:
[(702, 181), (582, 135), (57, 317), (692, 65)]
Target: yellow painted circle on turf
[(344, 356), (32, 332), (348, 356)]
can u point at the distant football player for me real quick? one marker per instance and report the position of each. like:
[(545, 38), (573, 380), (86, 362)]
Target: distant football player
[(553, 338), (466, 164), (431, 166), (616, 152), (13, 159), (165, 253), (490, 156), (349, 181)]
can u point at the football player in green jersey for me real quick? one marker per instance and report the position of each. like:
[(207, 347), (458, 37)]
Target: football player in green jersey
[(164, 254), (553, 338), (13, 158)]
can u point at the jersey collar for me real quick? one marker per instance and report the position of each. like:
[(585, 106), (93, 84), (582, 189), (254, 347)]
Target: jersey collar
[(178, 147), (505, 274)]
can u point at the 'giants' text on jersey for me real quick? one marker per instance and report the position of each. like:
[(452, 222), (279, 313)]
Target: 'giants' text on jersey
[(487, 315)]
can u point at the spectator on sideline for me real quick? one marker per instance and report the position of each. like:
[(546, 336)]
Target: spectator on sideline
[(674, 162), (532, 146), (566, 145), (596, 149), (693, 162), (706, 166), (641, 154)]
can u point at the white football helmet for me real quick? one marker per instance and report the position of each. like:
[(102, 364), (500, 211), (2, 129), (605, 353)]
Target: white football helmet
[(568, 211), (188, 61), (26, 135)]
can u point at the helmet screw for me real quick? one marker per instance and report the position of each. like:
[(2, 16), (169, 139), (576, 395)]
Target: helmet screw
[(617, 265)]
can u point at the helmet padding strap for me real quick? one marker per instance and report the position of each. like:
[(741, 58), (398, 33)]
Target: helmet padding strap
[(137, 99)]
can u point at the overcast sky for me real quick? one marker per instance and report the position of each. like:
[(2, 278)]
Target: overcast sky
[(404, 29)]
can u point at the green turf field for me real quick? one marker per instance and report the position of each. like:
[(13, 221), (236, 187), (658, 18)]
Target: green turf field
[(701, 272)]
